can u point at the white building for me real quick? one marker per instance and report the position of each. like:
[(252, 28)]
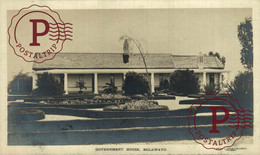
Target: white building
[(97, 69)]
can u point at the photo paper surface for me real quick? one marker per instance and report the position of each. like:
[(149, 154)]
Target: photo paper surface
[(130, 77)]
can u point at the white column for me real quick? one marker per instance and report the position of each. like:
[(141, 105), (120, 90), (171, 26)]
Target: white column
[(152, 82), (66, 83), (124, 74), (204, 79), (95, 83), (34, 79)]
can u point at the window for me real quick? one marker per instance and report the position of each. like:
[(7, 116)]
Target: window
[(211, 79)]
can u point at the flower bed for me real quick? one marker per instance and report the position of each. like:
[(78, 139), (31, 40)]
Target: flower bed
[(76, 102), (103, 99), (137, 105), (111, 98)]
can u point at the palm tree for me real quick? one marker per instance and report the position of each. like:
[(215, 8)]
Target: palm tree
[(80, 85)]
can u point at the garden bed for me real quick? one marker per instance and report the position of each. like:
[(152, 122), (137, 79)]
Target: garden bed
[(75, 106), (58, 98), (26, 114), (137, 105)]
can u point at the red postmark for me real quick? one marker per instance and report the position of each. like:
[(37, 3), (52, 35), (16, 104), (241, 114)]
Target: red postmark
[(37, 33), (218, 122)]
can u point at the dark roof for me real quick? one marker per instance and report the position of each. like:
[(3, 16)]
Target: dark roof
[(115, 61)]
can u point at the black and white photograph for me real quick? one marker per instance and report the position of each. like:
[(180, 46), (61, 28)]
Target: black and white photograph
[(130, 80)]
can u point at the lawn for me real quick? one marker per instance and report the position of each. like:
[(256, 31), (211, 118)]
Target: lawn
[(86, 126)]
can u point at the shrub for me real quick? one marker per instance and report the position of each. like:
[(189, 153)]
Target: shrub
[(135, 84), (164, 86), (80, 85), (48, 85), (21, 84), (184, 82), (242, 89), (209, 88), (110, 88)]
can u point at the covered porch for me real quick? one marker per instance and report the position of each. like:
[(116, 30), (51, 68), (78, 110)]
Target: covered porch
[(95, 80)]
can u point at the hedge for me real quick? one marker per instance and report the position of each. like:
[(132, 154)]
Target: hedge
[(26, 114)]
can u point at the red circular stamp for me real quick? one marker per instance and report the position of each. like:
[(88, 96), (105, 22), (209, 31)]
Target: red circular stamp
[(37, 33), (218, 121)]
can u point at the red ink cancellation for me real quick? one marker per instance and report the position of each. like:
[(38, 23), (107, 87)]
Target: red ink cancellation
[(37, 33), (218, 122)]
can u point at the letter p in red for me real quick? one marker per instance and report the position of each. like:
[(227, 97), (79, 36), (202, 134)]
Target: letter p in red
[(214, 118), (35, 33)]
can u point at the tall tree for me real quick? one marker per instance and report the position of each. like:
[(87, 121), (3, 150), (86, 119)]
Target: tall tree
[(48, 85), (245, 36), (21, 84)]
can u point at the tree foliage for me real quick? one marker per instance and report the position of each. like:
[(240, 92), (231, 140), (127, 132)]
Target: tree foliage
[(48, 85), (110, 88), (210, 88), (184, 82), (242, 89), (21, 84), (245, 36), (135, 83), (222, 59)]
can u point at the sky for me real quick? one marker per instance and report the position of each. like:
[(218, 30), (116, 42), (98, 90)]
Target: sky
[(176, 31)]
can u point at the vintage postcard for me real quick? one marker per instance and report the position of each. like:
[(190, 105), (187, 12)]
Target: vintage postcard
[(130, 77)]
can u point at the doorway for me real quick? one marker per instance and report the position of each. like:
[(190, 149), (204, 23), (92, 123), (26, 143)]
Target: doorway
[(211, 79)]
